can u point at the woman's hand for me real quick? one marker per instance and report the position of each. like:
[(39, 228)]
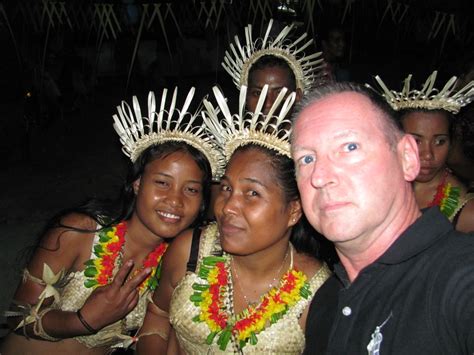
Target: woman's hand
[(110, 303)]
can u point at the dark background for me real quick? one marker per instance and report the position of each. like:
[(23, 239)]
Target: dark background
[(64, 67)]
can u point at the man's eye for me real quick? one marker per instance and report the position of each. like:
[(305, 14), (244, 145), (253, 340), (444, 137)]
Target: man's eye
[(306, 159), (351, 146), (252, 193)]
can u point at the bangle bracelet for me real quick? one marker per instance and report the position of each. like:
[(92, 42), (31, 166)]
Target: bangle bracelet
[(84, 323)]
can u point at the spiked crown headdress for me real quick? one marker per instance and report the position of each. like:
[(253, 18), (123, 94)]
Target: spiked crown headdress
[(240, 58), (169, 123), (232, 131), (428, 97)]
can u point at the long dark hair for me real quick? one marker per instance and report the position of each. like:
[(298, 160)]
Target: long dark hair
[(304, 237)]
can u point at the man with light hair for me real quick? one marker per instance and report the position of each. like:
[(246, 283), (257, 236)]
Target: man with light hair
[(405, 282)]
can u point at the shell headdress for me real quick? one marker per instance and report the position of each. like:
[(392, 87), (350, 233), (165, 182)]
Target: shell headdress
[(232, 131), (307, 68), (166, 124), (449, 98)]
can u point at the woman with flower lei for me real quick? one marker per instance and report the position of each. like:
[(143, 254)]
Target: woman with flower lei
[(436, 185), (429, 116), (244, 283), (87, 285)]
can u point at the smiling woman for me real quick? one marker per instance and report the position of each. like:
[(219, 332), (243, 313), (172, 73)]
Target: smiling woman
[(86, 287), (244, 283)]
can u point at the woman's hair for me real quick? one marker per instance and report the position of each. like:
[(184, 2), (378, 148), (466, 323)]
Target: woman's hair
[(304, 238), (464, 126)]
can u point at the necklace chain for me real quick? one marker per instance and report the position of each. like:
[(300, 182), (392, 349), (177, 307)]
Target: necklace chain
[(270, 285)]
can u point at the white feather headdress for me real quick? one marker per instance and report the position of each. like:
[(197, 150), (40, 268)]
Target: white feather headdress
[(168, 123), (240, 58), (428, 97), (232, 131)]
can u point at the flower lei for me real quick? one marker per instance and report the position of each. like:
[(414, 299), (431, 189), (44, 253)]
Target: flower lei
[(210, 298), (99, 271), (446, 197)]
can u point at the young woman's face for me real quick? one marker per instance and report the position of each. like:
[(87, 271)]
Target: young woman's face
[(250, 208), (431, 132), (169, 194)]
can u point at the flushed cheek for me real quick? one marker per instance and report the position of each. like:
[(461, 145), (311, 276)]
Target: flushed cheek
[(192, 211)]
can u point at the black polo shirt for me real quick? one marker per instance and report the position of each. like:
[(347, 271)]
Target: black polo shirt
[(417, 298)]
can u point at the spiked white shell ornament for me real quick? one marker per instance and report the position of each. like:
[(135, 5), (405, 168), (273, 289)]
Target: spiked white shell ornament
[(428, 97), (169, 123), (308, 69), (232, 131)]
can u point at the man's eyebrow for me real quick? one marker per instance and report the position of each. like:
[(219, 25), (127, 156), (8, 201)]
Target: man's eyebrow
[(345, 133)]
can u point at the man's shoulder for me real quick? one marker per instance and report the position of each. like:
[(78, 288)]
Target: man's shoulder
[(456, 243), (450, 259)]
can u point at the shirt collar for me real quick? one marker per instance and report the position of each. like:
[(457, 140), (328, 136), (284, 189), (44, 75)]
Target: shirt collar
[(424, 232)]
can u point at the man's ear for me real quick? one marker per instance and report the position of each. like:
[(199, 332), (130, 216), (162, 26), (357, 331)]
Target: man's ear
[(410, 159), (136, 185), (295, 212)]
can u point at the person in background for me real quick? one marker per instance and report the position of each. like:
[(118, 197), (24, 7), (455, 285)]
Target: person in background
[(334, 45), (428, 114), (461, 154), (242, 284), (86, 287), (405, 281), (276, 60), (279, 60)]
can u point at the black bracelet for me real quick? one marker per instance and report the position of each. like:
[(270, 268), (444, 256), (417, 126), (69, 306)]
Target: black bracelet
[(84, 323)]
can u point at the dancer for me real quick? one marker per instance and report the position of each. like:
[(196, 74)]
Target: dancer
[(428, 115), (243, 284), (85, 289), (277, 62)]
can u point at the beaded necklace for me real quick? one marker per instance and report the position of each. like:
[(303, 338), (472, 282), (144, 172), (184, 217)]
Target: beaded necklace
[(446, 197), (214, 298), (99, 270)]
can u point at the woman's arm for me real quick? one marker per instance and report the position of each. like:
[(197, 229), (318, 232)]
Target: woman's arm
[(173, 345), (465, 222), (63, 250), (153, 335)]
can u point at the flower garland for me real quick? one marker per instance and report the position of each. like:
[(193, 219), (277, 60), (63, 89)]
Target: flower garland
[(153, 261), (446, 197), (99, 270), (210, 298)]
